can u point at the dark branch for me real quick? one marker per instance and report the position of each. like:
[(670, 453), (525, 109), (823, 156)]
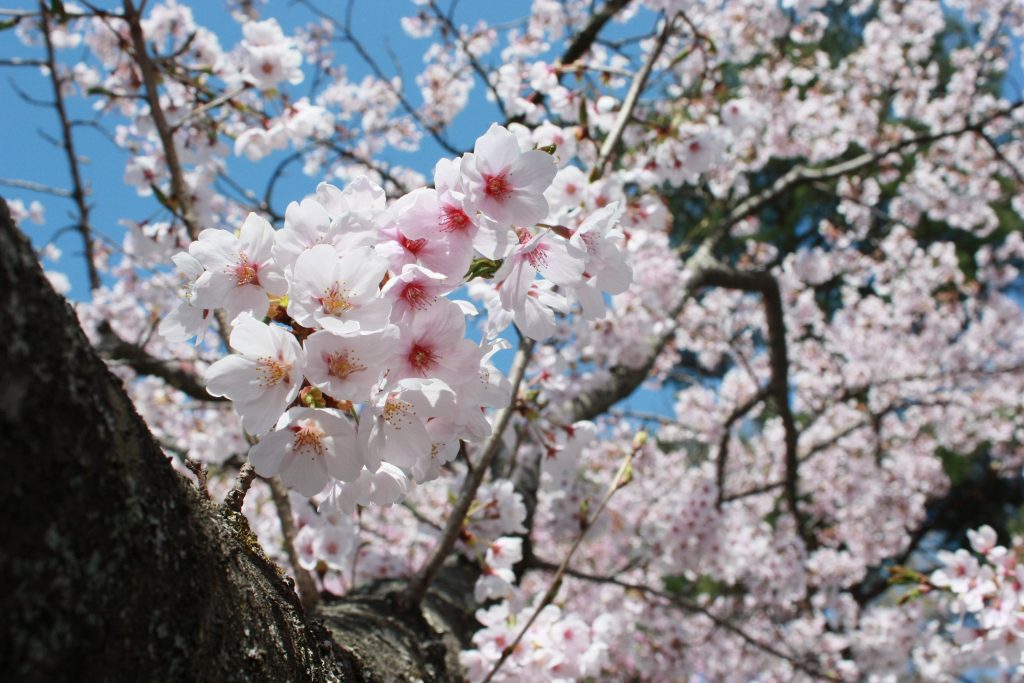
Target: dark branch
[(114, 348), (77, 186), (766, 284)]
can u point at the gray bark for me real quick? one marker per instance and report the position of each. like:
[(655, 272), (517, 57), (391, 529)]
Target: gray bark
[(113, 567)]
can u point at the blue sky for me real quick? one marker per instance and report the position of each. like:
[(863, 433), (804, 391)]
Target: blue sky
[(29, 155)]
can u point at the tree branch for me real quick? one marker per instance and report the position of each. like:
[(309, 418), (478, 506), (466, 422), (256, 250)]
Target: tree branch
[(800, 174), (419, 584), (689, 606), (114, 348), (629, 103), (77, 186), (621, 478), (723, 445), (766, 284), (308, 594), (180, 193)]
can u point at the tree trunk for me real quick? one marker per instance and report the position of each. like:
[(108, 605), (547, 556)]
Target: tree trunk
[(114, 567)]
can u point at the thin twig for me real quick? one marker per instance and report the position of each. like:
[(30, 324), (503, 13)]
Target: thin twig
[(473, 61), (628, 104), (77, 187), (308, 594), (215, 102), (236, 496), (990, 141), (621, 478), (35, 187), (345, 29), (113, 348), (723, 444), (17, 61), (202, 474), (766, 284), (799, 175), (179, 188), (689, 606), (419, 584)]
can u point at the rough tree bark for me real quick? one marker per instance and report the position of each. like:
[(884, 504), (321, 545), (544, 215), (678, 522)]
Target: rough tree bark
[(113, 566)]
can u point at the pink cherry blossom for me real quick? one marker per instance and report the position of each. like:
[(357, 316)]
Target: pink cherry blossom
[(505, 184)]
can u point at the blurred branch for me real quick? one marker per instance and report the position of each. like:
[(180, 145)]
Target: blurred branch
[(180, 193), (723, 445), (692, 607), (629, 103), (473, 61), (801, 174), (766, 284), (114, 348), (35, 187), (345, 29), (622, 477), (308, 594)]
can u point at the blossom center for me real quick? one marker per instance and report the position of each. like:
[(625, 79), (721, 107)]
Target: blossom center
[(341, 365), (334, 301), (453, 219), (246, 272), (422, 359), (397, 411), (273, 371), (412, 246), (416, 296), (309, 435), (497, 187)]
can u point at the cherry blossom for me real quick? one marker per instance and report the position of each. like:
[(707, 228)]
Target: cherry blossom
[(240, 271), (504, 183), (263, 377), (309, 447)]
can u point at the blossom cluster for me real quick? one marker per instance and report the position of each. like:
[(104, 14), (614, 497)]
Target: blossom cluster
[(557, 647), (901, 346), (985, 590), (348, 305)]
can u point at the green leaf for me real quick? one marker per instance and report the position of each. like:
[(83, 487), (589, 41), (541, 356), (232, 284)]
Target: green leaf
[(910, 596), (9, 23), (900, 575), (483, 267), (100, 90), (703, 585), (956, 465)]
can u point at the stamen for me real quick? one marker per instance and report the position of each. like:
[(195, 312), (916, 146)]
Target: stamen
[(341, 365), (453, 219), (412, 246), (246, 272), (497, 187), (422, 358), (334, 302), (398, 412), (309, 435), (416, 296), (273, 371)]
